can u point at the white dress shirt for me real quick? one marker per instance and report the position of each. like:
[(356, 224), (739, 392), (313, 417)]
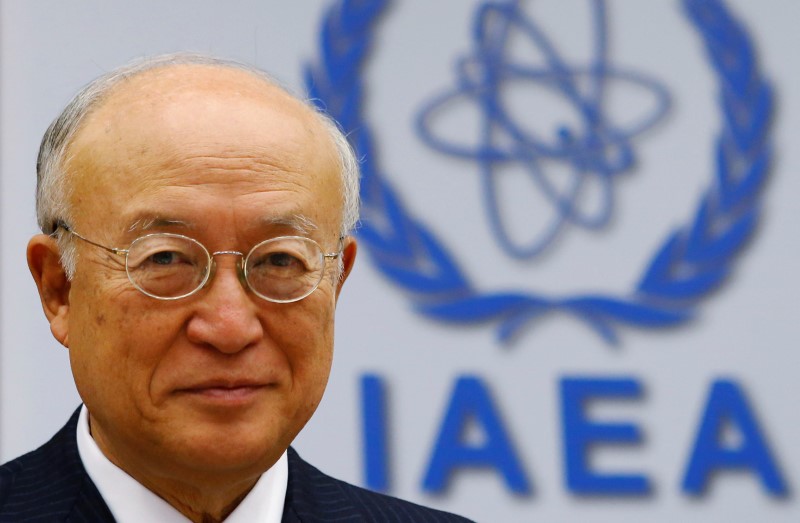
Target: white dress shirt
[(130, 502)]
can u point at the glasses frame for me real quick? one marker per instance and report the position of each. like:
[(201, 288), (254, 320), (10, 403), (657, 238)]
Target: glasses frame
[(210, 263)]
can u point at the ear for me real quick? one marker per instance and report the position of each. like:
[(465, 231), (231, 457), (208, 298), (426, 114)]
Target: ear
[(349, 250), (44, 261)]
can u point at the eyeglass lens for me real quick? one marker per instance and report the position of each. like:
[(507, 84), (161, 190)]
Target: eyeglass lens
[(173, 266)]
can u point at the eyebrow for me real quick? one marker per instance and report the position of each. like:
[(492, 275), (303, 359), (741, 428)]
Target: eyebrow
[(152, 222), (297, 222)]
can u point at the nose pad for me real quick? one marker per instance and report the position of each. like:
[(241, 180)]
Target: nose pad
[(240, 275), (212, 271)]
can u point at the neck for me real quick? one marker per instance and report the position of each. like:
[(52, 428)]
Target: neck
[(201, 500), (200, 495), (205, 507)]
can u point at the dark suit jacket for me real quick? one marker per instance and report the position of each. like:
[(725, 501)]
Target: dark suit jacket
[(51, 485)]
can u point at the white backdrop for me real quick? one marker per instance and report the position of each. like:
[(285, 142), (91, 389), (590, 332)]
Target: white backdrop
[(747, 331)]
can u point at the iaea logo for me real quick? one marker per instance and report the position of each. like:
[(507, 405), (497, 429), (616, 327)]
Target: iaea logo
[(594, 149), (691, 262)]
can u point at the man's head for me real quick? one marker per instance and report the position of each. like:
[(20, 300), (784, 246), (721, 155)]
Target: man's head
[(52, 186), (214, 386)]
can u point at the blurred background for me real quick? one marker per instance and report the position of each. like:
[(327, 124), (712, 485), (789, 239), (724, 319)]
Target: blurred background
[(576, 291)]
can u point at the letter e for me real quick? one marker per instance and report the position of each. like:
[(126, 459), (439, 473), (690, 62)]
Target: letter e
[(580, 434)]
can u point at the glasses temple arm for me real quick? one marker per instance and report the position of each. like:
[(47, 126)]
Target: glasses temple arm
[(67, 228)]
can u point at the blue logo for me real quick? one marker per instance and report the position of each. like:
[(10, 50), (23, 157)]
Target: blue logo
[(691, 262), (594, 149)]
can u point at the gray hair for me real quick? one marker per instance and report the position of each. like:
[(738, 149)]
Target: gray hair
[(52, 188)]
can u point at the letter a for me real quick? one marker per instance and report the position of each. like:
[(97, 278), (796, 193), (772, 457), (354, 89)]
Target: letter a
[(471, 401), (727, 404)]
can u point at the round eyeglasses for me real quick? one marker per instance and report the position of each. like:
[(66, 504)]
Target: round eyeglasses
[(170, 266)]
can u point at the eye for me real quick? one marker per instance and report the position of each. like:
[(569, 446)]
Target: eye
[(281, 259), (280, 262), (164, 258), (165, 255)]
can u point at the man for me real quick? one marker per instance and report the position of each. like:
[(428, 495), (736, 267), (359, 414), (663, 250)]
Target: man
[(196, 223)]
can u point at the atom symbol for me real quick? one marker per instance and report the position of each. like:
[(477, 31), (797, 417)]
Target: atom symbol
[(594, 150)]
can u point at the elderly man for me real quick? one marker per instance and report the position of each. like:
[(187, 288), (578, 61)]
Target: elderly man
[(196, 224)]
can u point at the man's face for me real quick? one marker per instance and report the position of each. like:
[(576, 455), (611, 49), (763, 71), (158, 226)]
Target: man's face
[(219, 382)]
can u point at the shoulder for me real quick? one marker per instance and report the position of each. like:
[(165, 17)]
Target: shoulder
[(56, 459), (47, 483), (315, 496)]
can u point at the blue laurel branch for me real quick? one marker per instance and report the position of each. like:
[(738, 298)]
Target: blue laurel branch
[(693, 261)]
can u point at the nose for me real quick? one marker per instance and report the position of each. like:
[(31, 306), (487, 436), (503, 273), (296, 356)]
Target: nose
[(225, 316)]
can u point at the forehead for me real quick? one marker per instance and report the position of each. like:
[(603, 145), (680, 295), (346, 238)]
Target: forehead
[(171, 131)]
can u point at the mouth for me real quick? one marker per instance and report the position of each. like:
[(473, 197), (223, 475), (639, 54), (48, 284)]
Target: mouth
[(224, 392)]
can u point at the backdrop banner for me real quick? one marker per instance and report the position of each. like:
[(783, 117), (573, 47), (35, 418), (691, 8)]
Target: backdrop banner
[(575, 296)]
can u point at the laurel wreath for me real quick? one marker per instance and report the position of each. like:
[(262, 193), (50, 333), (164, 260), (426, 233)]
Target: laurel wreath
[(691, 262)]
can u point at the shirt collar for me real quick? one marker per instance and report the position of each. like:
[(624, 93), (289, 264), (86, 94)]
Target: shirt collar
[(130, 502)]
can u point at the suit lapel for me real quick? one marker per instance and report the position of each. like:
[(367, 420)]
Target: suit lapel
[(313, 497), (89, 505), (51, 484)]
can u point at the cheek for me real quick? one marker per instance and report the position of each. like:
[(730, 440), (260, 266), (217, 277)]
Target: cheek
[(305, 334), (116, 345)]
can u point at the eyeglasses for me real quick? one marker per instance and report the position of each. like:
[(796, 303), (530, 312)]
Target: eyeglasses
[(172, 266)]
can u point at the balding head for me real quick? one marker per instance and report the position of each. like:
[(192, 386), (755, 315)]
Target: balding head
[(54, 183)]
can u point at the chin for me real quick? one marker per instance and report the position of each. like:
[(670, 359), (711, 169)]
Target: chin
[(231, 453)]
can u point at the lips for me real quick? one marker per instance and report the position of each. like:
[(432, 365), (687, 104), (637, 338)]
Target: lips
[(225, 383), (224, 390)]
